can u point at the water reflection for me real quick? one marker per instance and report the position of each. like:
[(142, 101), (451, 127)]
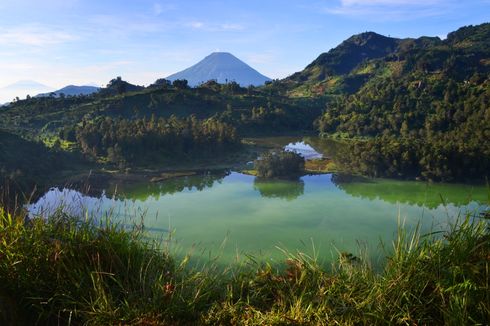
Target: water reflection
[(143, 190), (256, 216), (304, 149), (68, 201), (283, 189), (326, 146), (422, 194)]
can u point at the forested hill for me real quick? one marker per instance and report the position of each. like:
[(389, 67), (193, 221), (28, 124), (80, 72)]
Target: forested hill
[(24, 163), (359, 59), (427, 107), (348, 55)]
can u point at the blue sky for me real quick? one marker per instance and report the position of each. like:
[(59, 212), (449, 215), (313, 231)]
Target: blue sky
[(60, 42)]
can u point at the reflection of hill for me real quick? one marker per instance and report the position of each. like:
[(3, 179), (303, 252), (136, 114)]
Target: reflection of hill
[(284, 189), (326, 146), (141, 191), (411, 192)]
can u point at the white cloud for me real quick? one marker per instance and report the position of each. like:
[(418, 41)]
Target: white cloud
[(387, 2), (159, 8), (38, 36), (231, 27), (110, 66), (391, 9), (260, 58), (213, 27), (123, 25), (196, 24)]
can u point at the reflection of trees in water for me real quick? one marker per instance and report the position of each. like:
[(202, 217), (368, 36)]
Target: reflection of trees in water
[(288, 189), (342, 178), (410, 192), (142, 191)]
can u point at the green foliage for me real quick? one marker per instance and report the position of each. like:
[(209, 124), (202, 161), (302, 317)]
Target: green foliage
[(270, 120), (180, 84), (117, 86), (47, 116), (348, 55), (138, 140), (430, 119), (25, 164), (279, 164), (442, 158)]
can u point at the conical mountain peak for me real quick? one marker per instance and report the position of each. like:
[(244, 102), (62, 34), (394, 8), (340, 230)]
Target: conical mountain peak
[(223, 67)]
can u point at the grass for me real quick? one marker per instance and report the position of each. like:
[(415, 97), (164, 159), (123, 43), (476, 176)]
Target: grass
[(74, 270), (323, 165)]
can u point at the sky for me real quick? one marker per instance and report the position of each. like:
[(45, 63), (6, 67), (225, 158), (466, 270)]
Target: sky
[(62, 42)]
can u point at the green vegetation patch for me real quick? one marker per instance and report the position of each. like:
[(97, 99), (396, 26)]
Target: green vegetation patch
[(278, 163)]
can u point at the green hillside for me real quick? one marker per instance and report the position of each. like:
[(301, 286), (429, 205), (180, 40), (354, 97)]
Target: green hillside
[(25, 164), (426, 107), (359, 59)]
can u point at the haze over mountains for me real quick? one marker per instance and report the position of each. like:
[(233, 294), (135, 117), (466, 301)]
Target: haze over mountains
[(21, 89), (222, 67)]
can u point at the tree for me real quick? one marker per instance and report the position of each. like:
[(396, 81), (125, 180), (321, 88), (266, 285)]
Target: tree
[(279, 164), (180, 83)]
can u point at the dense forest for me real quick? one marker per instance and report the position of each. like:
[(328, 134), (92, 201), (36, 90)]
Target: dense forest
[(415, 127), (429, 117), (124, 141), (26, 164)]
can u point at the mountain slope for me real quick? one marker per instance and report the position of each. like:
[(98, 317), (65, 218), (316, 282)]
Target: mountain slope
[(367, 56), (72, 90), (222, 67), (349, 54), (423, 111)]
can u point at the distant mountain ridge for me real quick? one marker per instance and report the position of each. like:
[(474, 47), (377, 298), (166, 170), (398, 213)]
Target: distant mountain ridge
[(72, 90), (222, 67)]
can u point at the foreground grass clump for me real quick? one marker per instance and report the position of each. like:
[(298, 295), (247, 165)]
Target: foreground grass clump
[(66, 271), (69, 271)]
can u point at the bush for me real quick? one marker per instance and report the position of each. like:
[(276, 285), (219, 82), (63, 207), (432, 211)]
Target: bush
[(279, 164)]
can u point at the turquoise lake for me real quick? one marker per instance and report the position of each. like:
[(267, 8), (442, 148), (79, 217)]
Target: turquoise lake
[(231, 215)]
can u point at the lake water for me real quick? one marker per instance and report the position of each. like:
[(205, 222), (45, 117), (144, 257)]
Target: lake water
[(231, 214)]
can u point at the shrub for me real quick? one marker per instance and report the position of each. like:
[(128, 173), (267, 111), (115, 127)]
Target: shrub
[(279, 164)]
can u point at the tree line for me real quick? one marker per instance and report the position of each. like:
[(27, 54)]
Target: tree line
[(127, 141), (422, 126)]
